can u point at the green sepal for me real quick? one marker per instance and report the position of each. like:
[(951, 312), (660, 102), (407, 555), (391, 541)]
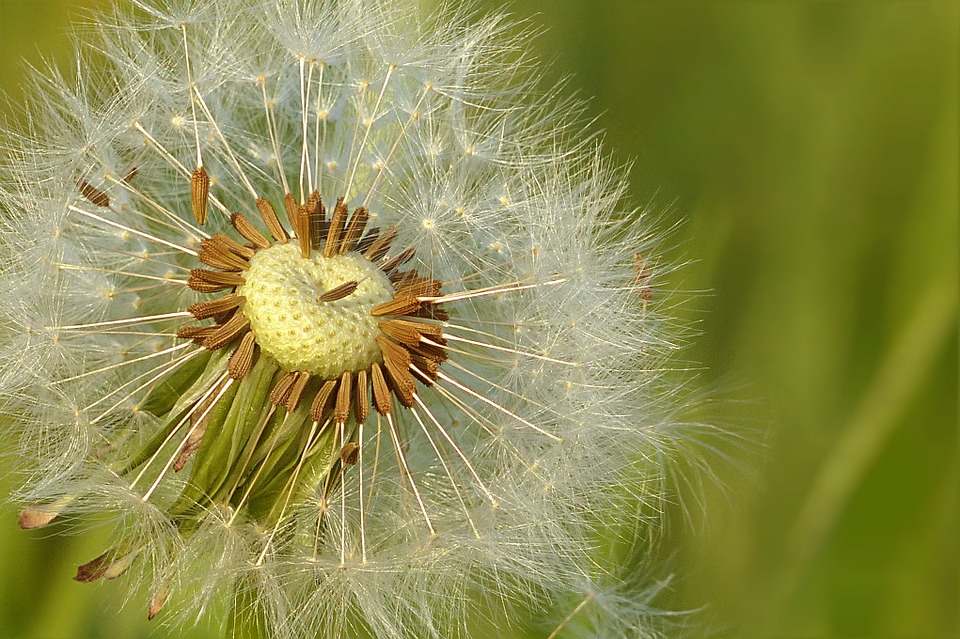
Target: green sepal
[(172, 387), (191, 384), (280, 456), (193, 494), (246, 425), (228, 429)]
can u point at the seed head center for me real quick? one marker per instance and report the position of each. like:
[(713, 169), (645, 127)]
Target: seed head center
[(324, 338)]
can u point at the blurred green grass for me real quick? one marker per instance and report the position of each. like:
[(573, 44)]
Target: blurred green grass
[(809, 151)]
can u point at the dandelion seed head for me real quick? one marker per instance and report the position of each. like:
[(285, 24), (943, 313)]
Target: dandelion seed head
[(331, 310)]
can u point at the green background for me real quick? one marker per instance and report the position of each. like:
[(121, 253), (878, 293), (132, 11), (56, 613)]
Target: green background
[(809, 153)]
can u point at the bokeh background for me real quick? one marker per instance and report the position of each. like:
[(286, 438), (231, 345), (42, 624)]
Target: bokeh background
[(807, 152)]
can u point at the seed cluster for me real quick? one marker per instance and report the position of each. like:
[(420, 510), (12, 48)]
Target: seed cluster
[(410, 339)]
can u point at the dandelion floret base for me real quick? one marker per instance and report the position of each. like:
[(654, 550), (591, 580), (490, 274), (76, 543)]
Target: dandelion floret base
[(303, 334)]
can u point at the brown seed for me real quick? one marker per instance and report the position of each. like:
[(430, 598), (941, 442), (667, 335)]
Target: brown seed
[(204, 310), (205, 287), (426, 370), (319, 228), (382, 245), (290, 206), (314, 203), (322, 400), (403, 332), (336, 229), (349, 453), (95, 568), (231, 245), (192, 444), (302, 227), (242, 359), (94, 195), (317, 219), (397, 306), (354, 230), (338, 293), (156, 603), (393, 351), (199, 194), (314, 206), (280, 390), (204, 281), (642, 278), (270, 218), (361, 408), (419, 287), (33, 517), (409, 332), (296, 391), (432, 311), (399, 260), (428, 350), (218, 258), (400, 278), (226, 333), (368, 240), (381, 392), (197, 333), (403, 385), (217, 253), (341, 409), (396, 359), (109, 565), (246, 228)]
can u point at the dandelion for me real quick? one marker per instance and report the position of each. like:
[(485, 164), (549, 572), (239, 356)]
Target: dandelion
[(332, 314)]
